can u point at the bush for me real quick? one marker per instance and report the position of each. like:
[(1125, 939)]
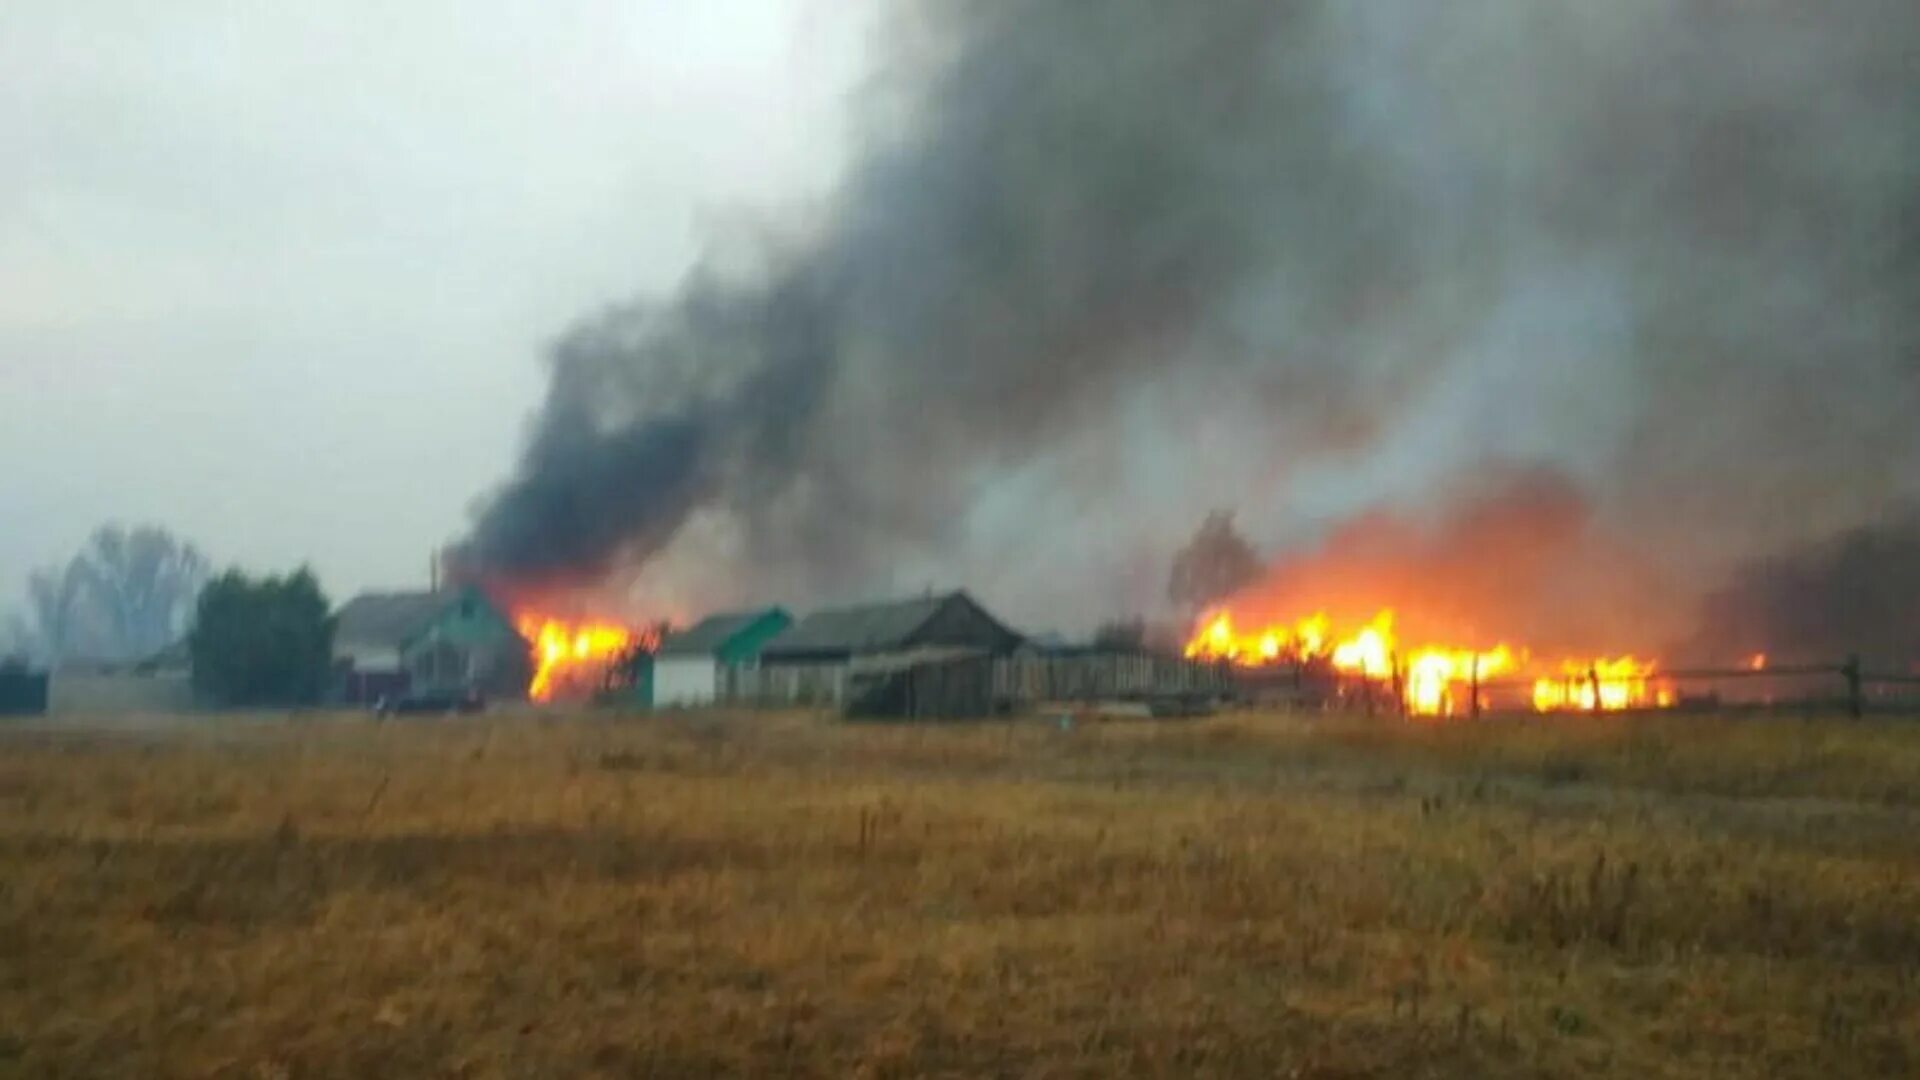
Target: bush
[(265, 643)]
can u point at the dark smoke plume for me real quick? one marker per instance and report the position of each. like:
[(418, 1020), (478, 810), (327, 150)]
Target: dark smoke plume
[(1856, 593), (1099, 266)]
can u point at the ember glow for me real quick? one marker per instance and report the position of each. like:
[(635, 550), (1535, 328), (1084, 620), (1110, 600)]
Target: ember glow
[(574, 658), (1601, 685), (1431, 679)]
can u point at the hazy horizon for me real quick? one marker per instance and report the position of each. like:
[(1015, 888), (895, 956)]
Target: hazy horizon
[(282, 279)]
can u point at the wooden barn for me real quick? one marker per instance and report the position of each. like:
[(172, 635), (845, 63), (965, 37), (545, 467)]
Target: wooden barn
[(1043, 674), (387, 645), (707, 661), (929, 657)]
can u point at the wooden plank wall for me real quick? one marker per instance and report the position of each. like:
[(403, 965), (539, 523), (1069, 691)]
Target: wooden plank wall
[(1026, 677), (1102, 676)]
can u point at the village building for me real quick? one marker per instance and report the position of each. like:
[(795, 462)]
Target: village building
[(23, 691), (388, 645), (929, 657), (159, 684), (710, 661)]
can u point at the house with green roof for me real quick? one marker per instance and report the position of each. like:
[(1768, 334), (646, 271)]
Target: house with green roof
[(703, 663), (389, 644)]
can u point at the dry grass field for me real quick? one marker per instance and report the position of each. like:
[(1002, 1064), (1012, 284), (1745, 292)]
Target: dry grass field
[(753, 895)]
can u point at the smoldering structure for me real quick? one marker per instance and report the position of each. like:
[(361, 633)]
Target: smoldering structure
[(1321, 261)]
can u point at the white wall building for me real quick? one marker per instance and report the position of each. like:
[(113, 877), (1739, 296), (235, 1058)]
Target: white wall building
[(692, 667)]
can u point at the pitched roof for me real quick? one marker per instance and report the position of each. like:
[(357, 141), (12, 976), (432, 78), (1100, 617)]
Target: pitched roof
[(854, 629), (175, 657), (870, 627), (388, 619), (707, 636)]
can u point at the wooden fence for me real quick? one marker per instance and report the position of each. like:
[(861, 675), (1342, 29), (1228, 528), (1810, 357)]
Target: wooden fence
[(1036, 677), (1011, 681), (1847, 686)]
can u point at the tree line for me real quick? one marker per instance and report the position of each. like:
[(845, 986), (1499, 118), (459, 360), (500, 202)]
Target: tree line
[(135, 595)]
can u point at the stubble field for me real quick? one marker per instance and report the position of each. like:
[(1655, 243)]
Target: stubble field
[(1249, 895)]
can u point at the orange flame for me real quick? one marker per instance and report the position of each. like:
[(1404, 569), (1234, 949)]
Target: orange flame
[(571, 657), (1436, 675), (1601, 685), (1435, 680)]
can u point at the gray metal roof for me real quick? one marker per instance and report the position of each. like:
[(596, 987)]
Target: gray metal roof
[(868, 628), (858, 629), (710, 634), (388, 620)]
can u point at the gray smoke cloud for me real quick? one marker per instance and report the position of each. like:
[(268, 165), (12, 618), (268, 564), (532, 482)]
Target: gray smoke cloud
[(1851, 595), (1099, 265)]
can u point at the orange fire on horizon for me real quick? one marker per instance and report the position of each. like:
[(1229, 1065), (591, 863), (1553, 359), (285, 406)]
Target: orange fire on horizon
[(574, 658), (1432, 680)]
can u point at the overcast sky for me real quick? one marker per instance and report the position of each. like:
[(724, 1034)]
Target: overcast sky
[(279, 276)]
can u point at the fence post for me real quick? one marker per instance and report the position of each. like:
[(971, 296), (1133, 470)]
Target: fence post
[(1856, 706), (1473, 689)]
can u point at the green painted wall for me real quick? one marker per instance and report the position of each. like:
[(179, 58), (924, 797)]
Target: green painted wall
[(470, 620), (643, 682), (746, 643), (469, 642)]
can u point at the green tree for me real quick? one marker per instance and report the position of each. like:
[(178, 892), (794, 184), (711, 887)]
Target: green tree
[(262, 643)]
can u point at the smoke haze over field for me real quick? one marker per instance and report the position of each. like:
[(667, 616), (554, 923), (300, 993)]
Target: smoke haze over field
[(1096, 267)]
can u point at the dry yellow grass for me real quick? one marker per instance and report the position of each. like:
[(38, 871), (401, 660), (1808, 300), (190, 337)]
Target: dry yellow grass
[(754, 895)]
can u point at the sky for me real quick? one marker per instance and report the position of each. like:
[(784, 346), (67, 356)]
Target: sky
[(281, 277), (999, 295)]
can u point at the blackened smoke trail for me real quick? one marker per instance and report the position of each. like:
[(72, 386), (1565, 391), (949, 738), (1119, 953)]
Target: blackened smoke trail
[(1669, 248)]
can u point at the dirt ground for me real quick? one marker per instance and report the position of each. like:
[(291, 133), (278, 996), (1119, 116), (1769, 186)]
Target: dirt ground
[(752, 894)]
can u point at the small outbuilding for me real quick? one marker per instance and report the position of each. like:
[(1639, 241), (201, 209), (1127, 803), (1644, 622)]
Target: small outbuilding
[(387, 645), (23, 691), (158, 685), (921, 657), (708, 661)]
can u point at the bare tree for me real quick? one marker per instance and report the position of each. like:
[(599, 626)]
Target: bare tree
[(1215, 564), (17, 640), (57, 596), (1121, 635), (128, 594)]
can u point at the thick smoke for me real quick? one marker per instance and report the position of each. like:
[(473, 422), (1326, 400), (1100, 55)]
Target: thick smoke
[(1857, 593), (1509, 558), (1098, 266)]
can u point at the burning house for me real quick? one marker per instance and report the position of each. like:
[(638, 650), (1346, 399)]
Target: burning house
[(1513, 600), (387, 645)]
